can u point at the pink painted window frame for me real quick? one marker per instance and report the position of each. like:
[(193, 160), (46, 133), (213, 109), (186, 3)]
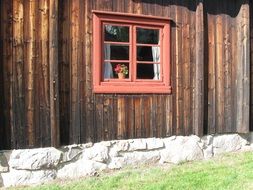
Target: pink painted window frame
[(127, 86)]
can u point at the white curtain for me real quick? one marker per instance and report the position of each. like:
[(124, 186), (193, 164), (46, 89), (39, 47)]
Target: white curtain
[(156, 58), (108, 73)]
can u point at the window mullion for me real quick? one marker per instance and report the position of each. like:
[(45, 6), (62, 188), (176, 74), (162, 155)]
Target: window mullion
[(134, 56)]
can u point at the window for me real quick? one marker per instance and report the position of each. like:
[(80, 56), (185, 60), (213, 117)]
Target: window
[(131, 53)]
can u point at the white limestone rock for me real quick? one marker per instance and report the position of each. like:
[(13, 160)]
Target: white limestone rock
[(207, 140), (122, 145), (24, 177), (80, 168), (169, 139), (141, 157), (3, 163), (137, 144), (98, 152), (154, 143), (87, 145), (71, 152), (133, 158), (228, 143), (35, 159), (107, 143), (1, 181), (208, 152), (181, 149), (246, 148), (117, 163), (117, 147)]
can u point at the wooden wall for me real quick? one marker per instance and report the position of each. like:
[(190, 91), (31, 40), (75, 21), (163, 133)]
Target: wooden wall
[(251, 65), (46, 93)]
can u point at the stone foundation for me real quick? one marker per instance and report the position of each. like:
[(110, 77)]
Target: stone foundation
[(35, 166)]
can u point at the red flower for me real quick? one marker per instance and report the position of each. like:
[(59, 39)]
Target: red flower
[(121, 68)]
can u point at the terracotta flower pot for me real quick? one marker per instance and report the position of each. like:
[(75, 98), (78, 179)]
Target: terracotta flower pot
[(121, 75)]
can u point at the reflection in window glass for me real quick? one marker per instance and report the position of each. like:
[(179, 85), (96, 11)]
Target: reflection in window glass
[(116, 52), (147, 36), (116, 33), (148, 71), (144, 53), (109, 70)]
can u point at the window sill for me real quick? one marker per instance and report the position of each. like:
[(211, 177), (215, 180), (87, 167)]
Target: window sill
[(133, 89)]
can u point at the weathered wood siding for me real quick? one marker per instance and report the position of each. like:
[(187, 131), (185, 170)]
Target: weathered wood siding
[(46, 95), (251, 66)]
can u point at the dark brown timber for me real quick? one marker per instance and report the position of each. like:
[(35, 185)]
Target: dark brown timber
[(46, 91)]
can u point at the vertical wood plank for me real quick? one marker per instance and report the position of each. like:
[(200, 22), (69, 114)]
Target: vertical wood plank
[(121, 123), (211, 75), (153, 109), (18, 60), (110, 123), (74, 73), (243, 87), (118, 6), (89, 122), (233, 71), (199, 78), (29, 76), (53, 72), (169, 12), (29, 24), (192, 63), (227, 74), (2, 129), (137, 7), (130, 117), (219, 75), (137, 116), (186, 71), (99, 115), (169, 114), (146, 116), (64, 70), (6, 11), (159, 8), (37, 111), (82, 71), (159, 116), (43, 73), (251, 65), (178, 69)]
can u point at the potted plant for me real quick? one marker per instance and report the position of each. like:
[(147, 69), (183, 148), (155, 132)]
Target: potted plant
[(121, 70)]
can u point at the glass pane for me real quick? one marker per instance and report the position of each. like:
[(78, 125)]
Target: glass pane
[(147, 36), (116, 52), (116, 33), (148, 53), (148, 71), (112, 70)]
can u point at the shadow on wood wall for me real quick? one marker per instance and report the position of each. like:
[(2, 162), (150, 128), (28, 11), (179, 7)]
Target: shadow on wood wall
[(251, 65), (214, 7), (84, 115), (1, 87)]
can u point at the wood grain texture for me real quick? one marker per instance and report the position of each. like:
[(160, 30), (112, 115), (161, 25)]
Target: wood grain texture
[(53, 73), (2, 129), (7, 28), (243, 69), (198, 113), (46, 73), (18, 71), (75, 71), (251, 65), (42, 71)]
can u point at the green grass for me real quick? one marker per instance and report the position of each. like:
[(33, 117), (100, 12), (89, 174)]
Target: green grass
[(231, 171)]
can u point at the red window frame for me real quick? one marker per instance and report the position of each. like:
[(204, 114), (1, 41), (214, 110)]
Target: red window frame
[(131, 84)]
